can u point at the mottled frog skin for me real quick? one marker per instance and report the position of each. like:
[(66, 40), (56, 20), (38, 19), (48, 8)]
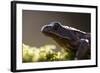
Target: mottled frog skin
[(69, 38)]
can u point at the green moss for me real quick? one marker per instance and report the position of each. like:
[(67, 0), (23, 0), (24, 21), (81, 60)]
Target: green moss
[(45, 53)]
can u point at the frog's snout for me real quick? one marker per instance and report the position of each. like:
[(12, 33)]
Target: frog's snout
[(50, 27), (46, 28)]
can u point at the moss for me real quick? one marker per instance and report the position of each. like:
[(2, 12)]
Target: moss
[(45, 53)]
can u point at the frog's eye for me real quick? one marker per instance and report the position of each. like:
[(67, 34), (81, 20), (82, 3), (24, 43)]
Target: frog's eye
[(56, 26)]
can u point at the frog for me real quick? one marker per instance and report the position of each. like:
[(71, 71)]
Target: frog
[(71, 39)]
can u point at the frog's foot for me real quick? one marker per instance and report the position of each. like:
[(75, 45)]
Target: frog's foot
[(82, 49)]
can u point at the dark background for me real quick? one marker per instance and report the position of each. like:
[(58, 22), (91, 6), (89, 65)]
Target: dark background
[(34, 20)]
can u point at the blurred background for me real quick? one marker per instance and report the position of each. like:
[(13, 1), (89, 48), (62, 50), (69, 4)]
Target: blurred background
[(34, 20)]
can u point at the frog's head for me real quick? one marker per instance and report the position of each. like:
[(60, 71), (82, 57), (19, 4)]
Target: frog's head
[(57, 30), (51, 29), (63, 35)]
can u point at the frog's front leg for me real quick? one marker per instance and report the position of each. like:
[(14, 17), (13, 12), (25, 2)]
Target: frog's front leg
[(82, 49)]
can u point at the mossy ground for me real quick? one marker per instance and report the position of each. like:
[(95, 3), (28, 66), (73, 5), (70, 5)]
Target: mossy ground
[(44, 53)]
